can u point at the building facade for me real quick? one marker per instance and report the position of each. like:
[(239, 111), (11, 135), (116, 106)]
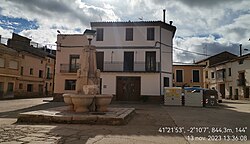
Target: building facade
[(9, 71), (188, 75), (69, 50), (32, 68), (229, 74), (135, 59), (232, 77)]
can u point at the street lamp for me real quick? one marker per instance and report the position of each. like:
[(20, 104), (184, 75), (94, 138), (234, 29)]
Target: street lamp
[(90, 34)]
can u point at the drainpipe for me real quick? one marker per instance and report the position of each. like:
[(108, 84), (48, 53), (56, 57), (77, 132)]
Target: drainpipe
[(160, 61), (240, 49)]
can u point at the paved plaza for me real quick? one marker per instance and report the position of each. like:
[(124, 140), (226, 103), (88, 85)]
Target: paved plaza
[(151, 124)]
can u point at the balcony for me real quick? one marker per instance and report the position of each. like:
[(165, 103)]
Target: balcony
[(67, 68), (137, 67), (220, 75), (112, 67), (241, 82)]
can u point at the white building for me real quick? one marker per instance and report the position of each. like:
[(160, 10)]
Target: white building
[(135, 58), (231, 77)]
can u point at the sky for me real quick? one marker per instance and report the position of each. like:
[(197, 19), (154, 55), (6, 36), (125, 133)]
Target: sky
[(203, 26)]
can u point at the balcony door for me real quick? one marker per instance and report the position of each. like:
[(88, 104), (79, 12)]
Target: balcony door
[(74, 63), (150, 61), (128, 64), (99, 60)]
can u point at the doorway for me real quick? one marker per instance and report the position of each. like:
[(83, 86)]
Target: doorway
[(246, 92), (128, 88), (222, 90)]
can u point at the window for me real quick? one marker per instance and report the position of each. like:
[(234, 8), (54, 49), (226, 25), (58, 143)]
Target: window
[(99, 60), (229, 72), (74, 63), (1, 88), (40, 73), (206, 74), (70, 85), (29, 88), (166, 82), (99, 36), (2, 61), (129, 34), (128, 64), (21, 72), (150, 61), (196, 76), (10, 87), (212, 74), (48, 75), (13, 64), (20, 86), (150, 33), (179, 75), (41, 61), (241, 61), (230, 92), (40, 88), (31, 71)]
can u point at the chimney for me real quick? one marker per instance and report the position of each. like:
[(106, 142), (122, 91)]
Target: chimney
[(170, 22), (240, 49), (164, 12)]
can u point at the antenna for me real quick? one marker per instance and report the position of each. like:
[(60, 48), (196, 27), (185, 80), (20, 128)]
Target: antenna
[(140, 18)]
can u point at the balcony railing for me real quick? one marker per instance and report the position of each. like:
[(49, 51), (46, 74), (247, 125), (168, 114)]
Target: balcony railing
[(241, 82), (113, 67), (67, 68), (137, 67)]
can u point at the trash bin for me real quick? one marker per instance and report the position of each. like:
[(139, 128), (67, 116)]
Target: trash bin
[(193, 97), (210, 98), (172, 96)]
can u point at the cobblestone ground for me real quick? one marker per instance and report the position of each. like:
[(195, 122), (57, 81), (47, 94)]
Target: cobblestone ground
[(15, 134)]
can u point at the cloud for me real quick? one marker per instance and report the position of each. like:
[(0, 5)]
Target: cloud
[(217, 25), (207, 3)]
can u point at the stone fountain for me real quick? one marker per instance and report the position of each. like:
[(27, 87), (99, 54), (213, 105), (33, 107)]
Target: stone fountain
[(87, 97)]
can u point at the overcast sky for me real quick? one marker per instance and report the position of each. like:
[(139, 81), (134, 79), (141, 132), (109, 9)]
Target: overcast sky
[(203, 26)]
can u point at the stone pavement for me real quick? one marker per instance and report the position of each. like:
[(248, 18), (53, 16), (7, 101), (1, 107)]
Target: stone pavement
[(143, 128), (114, 116)]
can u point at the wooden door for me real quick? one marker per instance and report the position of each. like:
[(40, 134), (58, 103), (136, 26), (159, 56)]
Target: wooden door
[(128, 88)]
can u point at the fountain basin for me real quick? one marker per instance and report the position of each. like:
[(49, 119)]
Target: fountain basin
[(102, 102), (67, 99), (81, 102)]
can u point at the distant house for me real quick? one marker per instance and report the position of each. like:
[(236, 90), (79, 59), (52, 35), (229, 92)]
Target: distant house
[(69, 50), (188, 75), (9, 71), (230, 75), (28, 71), (135, 59)]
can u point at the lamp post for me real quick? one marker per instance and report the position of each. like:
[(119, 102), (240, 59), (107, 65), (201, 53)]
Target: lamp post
[(90, 34)]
